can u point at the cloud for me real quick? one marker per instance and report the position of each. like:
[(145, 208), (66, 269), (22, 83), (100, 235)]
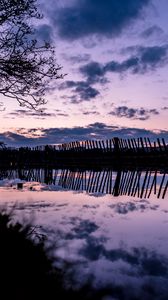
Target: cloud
[(80, 58), (135, 272), (44, 33), (82, 229), (38, 114), (87, 113), (152, 31), (82, 90), (133, 113), (62, 115), (142, 261), (129, 207), (41, 136), (15, 139), (96, 17), (152, 57), (144, 59), (129, 49), (94, 72)]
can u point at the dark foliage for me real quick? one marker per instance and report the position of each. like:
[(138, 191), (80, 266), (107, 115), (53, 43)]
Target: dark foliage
[(26, 270)]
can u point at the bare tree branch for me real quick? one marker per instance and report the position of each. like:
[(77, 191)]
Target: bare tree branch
[(26, 69)]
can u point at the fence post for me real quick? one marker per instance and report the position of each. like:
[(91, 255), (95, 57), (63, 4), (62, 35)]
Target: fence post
[(116, 144)]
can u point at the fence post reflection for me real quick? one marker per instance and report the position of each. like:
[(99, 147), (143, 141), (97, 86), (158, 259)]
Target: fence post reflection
[(134, 183)]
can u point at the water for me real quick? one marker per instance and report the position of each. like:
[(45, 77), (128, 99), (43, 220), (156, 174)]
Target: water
[(111, 227)]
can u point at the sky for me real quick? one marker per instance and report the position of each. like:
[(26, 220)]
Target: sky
[(115, 55)]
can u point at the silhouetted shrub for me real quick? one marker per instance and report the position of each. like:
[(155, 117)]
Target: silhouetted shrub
[(26, 270)]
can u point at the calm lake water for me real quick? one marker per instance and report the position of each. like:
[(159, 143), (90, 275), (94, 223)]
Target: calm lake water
[(111, 226)]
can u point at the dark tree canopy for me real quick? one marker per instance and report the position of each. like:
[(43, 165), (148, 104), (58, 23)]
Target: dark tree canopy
[(26, 67)]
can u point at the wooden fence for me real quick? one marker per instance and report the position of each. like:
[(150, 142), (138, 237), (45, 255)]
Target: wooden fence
[(89, 153), (114, 144), (134, 183)]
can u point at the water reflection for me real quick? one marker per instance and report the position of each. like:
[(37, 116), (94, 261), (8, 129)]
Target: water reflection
[(134, 183), (117, 242)]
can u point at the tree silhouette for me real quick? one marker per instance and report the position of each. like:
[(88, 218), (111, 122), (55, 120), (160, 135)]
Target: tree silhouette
[(26, 67)]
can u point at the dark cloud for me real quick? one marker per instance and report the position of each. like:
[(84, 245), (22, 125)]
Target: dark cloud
[(15, 139), (152, 31), (94, 72), (44, 33), (133, 113), (152, 57), (129, 50), (145, 59), (82, 90), (146, 262), (96, 17), (80, 58), (125, 208), (28, 137), (38, 114), (82, 230), (87, 113)]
